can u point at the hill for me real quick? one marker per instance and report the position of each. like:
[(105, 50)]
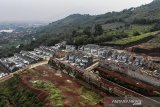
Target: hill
[(83, 29), (129, 22)]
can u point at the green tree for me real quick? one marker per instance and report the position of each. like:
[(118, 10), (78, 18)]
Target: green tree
[(156, 27), (98, 30), (136, 33), (87, 31)]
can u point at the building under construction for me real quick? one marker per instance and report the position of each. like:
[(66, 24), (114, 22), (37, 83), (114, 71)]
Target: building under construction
[(111, 60)]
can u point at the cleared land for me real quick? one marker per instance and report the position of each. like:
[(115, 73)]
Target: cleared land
[(62, 90), (150, 47), (153, 43)]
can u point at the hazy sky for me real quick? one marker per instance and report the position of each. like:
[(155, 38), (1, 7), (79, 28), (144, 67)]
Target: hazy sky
[(51, 10)]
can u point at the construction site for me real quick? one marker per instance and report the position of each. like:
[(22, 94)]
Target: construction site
[(72, 92), (93, 76), (110, 72)]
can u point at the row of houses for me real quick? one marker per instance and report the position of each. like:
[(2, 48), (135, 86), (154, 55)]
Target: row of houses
[(79, 59), (25, 58), (115, 55), (134, 65), (91, 49), (111, 59), (108, 53)]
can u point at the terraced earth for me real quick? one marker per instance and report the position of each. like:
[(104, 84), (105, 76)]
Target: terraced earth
[(62, 90)]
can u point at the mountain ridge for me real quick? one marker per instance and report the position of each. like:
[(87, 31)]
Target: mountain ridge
[(148, 12)]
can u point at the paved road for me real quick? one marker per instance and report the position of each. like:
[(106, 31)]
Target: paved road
[(21, 70), (95, 65)]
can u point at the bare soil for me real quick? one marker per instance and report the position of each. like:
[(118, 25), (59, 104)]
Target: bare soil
[(69, 87)]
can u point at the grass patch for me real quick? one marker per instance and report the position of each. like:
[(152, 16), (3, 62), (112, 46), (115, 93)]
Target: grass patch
[(54, 93), (89, 96), (131, 39)]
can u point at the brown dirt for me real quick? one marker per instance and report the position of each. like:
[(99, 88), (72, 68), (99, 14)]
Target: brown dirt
[(140, 49), (128, 80), (69, 87)]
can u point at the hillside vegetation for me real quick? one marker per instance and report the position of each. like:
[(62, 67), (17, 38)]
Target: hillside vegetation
[(132, 39), (81, 29), (13, 94), (110, 27), (54, 93)]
